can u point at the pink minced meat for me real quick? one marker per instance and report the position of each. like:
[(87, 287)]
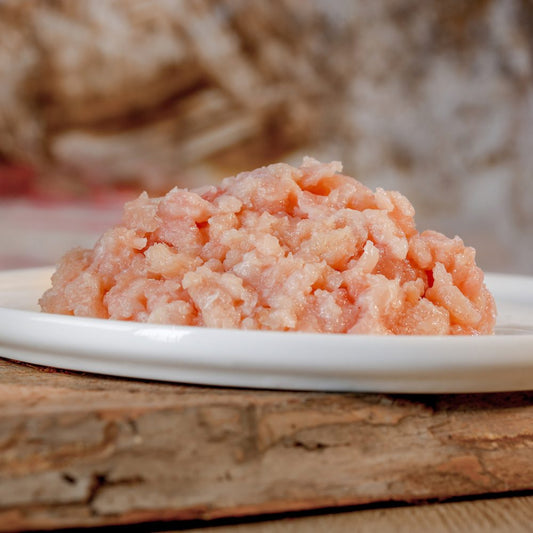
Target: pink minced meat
[(278, 248)]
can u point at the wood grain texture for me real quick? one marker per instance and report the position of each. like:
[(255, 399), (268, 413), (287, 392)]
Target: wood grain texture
[(500, 515), (80, 450)]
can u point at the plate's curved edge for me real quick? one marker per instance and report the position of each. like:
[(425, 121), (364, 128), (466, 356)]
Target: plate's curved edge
[(412, 384), (278, 360)]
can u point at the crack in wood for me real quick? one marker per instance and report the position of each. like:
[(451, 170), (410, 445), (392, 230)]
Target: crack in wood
[(101, 482), (499, 442)]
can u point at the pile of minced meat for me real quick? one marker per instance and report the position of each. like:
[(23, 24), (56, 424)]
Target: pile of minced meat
[(278, 248)]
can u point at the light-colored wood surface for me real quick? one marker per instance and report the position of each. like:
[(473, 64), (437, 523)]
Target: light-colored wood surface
[(505, 515), (81, 450)]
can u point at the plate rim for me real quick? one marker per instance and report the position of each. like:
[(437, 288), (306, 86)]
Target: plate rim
[(193, 354)]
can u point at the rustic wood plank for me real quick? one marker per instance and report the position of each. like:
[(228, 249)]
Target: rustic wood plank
[(79, 450)]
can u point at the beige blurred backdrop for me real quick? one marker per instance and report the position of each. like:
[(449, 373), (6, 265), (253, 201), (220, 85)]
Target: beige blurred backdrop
[(430, 97)]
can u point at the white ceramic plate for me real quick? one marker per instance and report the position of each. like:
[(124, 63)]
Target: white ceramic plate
[(297, 361)]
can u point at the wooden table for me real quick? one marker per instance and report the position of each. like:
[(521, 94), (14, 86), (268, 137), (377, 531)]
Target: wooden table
[(83, 450)]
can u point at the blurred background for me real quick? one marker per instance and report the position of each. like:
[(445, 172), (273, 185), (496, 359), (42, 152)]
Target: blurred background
[(100, 100)]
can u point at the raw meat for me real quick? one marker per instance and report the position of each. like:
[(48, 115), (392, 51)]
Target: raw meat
[(278, 248)]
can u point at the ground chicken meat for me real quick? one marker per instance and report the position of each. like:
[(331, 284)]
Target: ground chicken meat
[(278, 248)]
